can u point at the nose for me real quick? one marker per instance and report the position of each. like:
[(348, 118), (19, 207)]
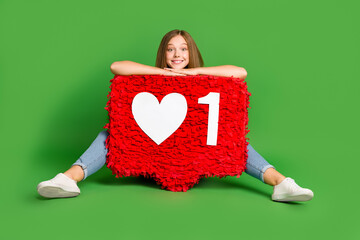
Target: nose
[(177, 54)]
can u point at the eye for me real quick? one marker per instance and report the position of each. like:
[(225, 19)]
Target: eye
[(170, 49), (184, 49)]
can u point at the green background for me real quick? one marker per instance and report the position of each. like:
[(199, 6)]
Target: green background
[(302, 60)]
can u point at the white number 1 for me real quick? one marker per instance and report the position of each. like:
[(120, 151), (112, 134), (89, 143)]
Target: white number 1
[(213, 99)]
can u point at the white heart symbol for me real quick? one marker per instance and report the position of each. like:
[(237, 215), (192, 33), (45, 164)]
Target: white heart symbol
[(159, 121)]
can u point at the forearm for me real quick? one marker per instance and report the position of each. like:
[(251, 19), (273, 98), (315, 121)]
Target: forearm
[(225, 71), (134, 68)]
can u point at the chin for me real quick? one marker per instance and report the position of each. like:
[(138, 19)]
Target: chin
[(178, 67)]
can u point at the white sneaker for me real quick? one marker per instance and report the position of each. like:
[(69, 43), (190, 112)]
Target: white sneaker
[(61, 186), (288, 191)]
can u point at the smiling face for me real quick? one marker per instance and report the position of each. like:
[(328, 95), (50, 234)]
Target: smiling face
[(177, 53)]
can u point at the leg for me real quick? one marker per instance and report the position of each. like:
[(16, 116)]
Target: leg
[(75, 173), (273, 177), (91, 161), (65, 184), (259, 168), (285, 189)]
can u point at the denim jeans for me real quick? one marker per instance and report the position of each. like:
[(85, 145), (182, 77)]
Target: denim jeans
[(95, 156)]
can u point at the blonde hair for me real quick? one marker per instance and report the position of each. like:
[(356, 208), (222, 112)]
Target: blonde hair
[(195, 59)]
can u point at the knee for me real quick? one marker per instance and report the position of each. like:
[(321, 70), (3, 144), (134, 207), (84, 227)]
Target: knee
[(103, 135)]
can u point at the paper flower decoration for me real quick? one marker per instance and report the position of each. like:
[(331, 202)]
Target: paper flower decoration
[(177, 130)]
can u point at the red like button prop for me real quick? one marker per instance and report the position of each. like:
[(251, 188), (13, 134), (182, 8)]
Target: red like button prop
[(177, 130)]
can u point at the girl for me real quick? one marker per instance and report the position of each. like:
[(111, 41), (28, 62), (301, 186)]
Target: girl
[(178, 55)]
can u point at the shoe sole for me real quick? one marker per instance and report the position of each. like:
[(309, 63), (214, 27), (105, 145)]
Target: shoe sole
[(55, 192), (298, 198)]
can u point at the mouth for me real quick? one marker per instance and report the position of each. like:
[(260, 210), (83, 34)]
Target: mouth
[(177, 61)]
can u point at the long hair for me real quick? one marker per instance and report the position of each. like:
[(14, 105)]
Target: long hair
[(195, 59)]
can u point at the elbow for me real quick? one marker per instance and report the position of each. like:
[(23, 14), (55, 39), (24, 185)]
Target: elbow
[(119, 67), (244, 73), (114, 67), (241, 73)]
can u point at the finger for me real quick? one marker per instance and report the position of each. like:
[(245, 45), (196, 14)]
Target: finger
[(174, 70), (177, 71), (182, 72), (179, 74), (174, 74)]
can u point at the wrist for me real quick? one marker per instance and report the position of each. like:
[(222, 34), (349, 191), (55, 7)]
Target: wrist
[(162, 71), (197, 71)]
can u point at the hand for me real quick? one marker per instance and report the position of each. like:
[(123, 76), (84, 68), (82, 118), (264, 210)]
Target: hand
[(184, 71), (171, 73)]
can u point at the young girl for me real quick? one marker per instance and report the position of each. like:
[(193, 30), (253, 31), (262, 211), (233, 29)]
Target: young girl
[(177, 55)]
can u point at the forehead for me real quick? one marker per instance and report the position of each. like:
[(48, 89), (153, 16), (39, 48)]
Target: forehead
[(177, 40)]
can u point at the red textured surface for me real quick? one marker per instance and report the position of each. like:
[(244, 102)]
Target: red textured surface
[(182, 159)]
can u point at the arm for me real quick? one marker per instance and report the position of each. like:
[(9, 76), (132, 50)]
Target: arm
[(225, 71), (222, 71), (133, 68)]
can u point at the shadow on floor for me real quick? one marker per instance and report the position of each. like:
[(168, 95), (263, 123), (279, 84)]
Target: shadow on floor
[(204, 183)]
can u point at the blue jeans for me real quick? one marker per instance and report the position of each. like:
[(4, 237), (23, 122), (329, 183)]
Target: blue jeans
[(95, 156)]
